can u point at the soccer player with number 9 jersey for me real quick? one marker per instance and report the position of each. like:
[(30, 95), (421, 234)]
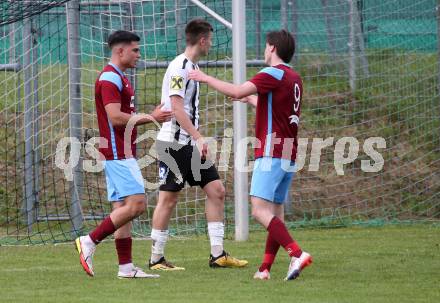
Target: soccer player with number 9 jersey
[(278, 109)]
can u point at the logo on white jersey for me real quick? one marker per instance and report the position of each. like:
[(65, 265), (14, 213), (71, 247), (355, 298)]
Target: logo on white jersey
[(176, 82)]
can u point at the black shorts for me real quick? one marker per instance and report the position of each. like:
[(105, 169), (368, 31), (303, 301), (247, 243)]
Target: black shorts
[(181, 163)]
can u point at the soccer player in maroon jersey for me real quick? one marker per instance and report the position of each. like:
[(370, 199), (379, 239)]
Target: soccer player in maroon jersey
[(278, 108), (115, 108)]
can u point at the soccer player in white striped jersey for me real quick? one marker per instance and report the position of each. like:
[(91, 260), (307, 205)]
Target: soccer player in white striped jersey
[(183, 154)]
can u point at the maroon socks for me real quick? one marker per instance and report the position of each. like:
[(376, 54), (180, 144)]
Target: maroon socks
[(278, 231), (102, 231), (123, 248), (272, 247)]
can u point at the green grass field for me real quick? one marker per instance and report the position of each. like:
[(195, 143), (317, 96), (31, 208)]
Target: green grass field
[(387, 264)]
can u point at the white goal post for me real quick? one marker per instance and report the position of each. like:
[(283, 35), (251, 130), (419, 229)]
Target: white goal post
[(238, 27)]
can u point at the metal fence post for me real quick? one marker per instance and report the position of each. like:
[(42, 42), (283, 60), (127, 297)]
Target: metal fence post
[(12, 54), (29, 198), (36, 122), (130, 26), (360, 39), (258, 29), (179, 33), (351, 49), (329, 29), (75, 110), (438, 50), (284, 15), (294, 17)]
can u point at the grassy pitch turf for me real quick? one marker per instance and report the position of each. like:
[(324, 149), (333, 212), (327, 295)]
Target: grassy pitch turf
[(386, 264)]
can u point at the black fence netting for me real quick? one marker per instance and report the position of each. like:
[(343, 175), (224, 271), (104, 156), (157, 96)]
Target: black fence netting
[(15, 10)]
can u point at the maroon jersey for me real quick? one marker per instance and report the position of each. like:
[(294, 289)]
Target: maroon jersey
[(278, 109), (112, 86)]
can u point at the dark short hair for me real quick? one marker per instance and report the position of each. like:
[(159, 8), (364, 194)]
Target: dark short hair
[(195, 29), (122, 37), (283, 42)]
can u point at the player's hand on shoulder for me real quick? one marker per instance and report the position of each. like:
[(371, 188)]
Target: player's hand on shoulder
[(198, 75), (161, 115)]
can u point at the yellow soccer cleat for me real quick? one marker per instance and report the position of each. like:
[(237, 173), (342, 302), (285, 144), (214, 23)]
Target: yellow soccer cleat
[(225, 260), (164, 265)]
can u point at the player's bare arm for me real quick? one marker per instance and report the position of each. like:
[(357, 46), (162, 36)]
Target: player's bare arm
[(232, 90), (252, 100), (119, 118), (185, 123)]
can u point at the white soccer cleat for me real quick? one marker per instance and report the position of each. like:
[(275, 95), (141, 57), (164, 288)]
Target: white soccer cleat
[(86, 248), (262, 275), (136, 273), (297, 265)]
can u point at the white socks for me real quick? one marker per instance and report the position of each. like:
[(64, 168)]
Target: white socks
[(216, 232), (159, 238), (126, 268)]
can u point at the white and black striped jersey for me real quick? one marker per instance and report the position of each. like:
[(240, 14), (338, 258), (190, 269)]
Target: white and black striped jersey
[(175, 82)]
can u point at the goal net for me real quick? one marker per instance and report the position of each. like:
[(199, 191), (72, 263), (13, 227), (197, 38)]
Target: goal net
[(369, 130)]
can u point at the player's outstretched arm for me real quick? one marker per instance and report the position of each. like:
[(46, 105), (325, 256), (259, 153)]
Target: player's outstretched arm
[(229, 89)]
